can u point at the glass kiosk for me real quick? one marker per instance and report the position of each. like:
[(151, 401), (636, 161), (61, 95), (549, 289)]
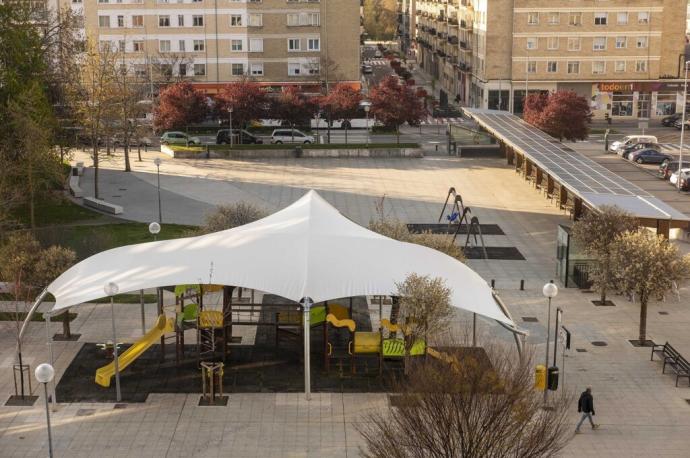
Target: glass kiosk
[(573, 266)]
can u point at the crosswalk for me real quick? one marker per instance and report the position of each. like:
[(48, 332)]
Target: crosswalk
[(431, 121), (376, 62), (674, 148)]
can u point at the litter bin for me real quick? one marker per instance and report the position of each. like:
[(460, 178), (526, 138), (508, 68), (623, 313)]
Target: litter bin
[(540, 377), (298, 151), (553, 378)]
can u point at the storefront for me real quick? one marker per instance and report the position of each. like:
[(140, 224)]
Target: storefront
[(636, 99)]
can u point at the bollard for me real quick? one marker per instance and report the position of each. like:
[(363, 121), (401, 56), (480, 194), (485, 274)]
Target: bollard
[(493, 283), (522, 285)]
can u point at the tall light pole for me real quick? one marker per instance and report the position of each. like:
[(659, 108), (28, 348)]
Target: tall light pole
[(44, 374), (230, 121), (111, 290), (367, 106), (526, 77), (550, 291), (682, 124), (158, 162)]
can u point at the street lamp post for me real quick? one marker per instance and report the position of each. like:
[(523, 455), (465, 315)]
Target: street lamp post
[(111, 290), (44, 374), (158, 162), (231, 139), (550, 291), (682, 124), (367, 106)]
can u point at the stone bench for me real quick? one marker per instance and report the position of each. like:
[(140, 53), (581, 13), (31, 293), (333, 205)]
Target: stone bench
[(102, 205)]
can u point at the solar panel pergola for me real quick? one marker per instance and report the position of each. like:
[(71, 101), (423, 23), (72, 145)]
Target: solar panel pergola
[(576, 181)]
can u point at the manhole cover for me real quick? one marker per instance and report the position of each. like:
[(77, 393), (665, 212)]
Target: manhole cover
[(116, 196), (530, 319), (85, 412), (581, 350), (599, 343), (120, 406), (122, 189), (663, 313)]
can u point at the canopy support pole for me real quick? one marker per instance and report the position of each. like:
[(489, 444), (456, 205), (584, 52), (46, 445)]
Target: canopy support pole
[(474, 329), (518, 334), (143, 314), (306, 308), (22, 330), (49, 342), (118, 394)]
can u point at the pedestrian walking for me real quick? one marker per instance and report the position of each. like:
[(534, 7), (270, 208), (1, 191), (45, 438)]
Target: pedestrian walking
[(585, 406)]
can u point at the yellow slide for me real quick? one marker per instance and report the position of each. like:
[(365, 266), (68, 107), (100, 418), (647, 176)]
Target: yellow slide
[(163, 325)]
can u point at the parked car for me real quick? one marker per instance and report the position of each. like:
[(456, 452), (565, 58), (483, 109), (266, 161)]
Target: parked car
[(118, 141), (678, 124), (669, 121), (179, 138), (378, 54), (666, 169), (367, 69), (626, 151), (649, 156), (630, 140), (241, 136), (290, 136), (684, 177)]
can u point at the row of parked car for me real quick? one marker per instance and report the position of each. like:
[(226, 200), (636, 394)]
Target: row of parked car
[(676, 120), (643, 149), (239, 137)]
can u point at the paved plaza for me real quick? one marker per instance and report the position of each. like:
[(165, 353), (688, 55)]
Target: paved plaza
[(640, 410)]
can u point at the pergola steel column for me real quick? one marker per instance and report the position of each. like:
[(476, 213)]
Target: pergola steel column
[(306, 308)]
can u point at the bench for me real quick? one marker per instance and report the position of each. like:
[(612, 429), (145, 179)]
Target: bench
[(672, 359), (102, 205)]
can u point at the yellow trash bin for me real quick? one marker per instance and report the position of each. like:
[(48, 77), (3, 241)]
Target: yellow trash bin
[(540, 377)]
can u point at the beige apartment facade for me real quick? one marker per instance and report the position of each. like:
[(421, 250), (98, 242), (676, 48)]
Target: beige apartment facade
[(211, 42), (625, 56)]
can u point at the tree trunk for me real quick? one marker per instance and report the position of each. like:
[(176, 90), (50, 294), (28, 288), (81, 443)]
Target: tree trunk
[(95, 170), (643, 318), (603, 284), (32, 215), (139, 151), (66, 331), (127, 166)]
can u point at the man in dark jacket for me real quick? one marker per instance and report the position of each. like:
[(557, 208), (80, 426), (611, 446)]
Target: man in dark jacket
[(586, 406)]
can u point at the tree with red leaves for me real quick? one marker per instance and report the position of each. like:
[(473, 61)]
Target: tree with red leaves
[(247, 100), (293, 107), (178, 106), (341, 104), (393, 104), (562, 114)]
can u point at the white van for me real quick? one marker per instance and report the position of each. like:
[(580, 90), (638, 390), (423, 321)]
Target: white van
[(632, 140)]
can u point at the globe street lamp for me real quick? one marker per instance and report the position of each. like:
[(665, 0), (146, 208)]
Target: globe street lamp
[(550, 291), (154, 229), (158, 162), (367, 106), (682, 124), (44, 374), (230, 121), (111, 290)]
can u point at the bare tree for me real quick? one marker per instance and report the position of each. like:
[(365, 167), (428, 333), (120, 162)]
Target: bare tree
[(229, 216), (52, 262), (596, 232), (647, 265), (167, 68), (480, 410)]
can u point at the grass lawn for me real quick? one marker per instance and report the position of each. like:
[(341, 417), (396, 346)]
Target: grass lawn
[(58, 210)]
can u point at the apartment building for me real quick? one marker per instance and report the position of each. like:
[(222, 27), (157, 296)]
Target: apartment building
[(211, 42), (623, 55)]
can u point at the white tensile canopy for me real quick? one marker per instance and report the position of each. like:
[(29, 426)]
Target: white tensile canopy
[(307, 250)]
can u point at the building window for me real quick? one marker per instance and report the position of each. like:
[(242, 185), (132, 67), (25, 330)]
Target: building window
[(104, 21), (575, 19), (621, 42), (640, 66), (256, 20), (642, 42), (601, 18), (182, 70), (236, 45), (599, 43), (573, 68), (552, 43), (619, 66), (533, 18), (256, 45), (314, 44), (198, 45), (121, 46), (531, 67), (665, 103), (303, 19), (182, 46), (622, 104), (164, 45), (199, 69), (120, 21), (532, 43), (237, 69), (138, 21), (551, 66), (180, 20), (163, 21), (257, 69), (643, 18), (314, 68), (554, 18), (293, 44), (574, 43), (598, 67), (137, 46), (294, 69), (197, 21), (235, 20), (622, 18)]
